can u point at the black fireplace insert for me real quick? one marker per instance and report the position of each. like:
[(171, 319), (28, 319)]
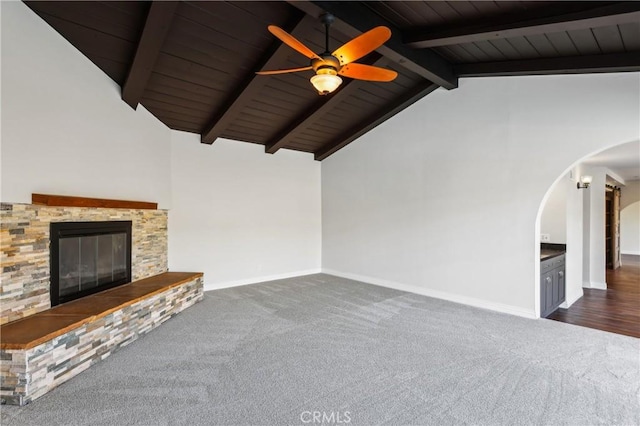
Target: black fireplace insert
[(88, 257)]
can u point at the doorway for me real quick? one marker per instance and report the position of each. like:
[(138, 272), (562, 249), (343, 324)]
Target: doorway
[(603, 267)]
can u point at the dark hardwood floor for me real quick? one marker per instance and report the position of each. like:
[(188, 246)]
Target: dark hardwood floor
[(616, 309)]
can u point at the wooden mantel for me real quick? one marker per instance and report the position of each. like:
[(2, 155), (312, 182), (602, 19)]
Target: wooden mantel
[(67, 201)]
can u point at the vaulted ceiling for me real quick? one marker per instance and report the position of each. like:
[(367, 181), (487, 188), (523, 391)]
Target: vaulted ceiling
[(193, 64)]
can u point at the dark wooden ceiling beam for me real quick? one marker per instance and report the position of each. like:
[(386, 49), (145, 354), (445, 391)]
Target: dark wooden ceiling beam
[(154, 32), (546, 21), (617, 62), (252, 83), (414, 94), (323, 105), (354, 18)]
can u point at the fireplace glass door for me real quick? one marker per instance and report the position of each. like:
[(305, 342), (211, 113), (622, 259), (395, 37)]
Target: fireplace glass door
[(88, 257), (90, 261)]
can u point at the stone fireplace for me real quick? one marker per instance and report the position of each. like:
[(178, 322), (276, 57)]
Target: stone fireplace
[(25, 281)]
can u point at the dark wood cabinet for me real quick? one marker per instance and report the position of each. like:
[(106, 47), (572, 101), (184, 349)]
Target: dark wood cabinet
[(552, 284)]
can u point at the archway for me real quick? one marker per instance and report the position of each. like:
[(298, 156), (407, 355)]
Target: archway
[(630, 229), (568, 215)]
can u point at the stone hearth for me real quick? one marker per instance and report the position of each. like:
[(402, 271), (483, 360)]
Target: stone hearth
[(42, 351), (42, 347)]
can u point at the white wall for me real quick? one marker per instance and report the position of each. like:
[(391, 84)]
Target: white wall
[(629, 193), (242, 216), (630, 229), (553, 221), (444, 198), (65, 129), (1, 198), (574, 232), (594, 262)]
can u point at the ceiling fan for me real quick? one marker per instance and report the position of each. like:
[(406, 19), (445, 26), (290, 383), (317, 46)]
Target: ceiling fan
[(329, 66)]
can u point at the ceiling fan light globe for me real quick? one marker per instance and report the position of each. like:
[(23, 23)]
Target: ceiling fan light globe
[(326, 83)]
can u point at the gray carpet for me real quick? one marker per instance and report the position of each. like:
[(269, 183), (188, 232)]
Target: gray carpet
[(275, 353)]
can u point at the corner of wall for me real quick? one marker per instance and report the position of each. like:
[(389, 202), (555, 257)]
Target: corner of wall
[(572, 298)]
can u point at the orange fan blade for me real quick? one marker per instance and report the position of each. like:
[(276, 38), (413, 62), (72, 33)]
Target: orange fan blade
[(284, 71), (367, 72), (292, 42), (361, 45)]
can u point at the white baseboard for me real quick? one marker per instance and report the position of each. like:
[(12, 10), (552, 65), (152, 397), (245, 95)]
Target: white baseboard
[(256, 280), (575, 297), (631, 253), (595, 285), (478, 303)]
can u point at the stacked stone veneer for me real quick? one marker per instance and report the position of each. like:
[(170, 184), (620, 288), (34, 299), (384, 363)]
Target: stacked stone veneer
[(30, 373), (24, 250)]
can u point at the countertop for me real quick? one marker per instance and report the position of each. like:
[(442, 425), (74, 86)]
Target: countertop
[(549, 254), (550, 250)]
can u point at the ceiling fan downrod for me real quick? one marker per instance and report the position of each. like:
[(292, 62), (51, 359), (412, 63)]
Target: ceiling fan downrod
[(327, 19), (327, 66)]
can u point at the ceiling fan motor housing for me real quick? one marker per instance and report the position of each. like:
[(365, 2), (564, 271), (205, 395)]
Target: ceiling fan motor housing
[(328, 64), (326, 68)]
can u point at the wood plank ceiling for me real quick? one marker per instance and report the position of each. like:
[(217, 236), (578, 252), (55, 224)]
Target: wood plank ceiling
[(192, 64)]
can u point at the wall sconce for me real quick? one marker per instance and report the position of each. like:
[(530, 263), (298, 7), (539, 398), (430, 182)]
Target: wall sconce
[(584, 182)]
